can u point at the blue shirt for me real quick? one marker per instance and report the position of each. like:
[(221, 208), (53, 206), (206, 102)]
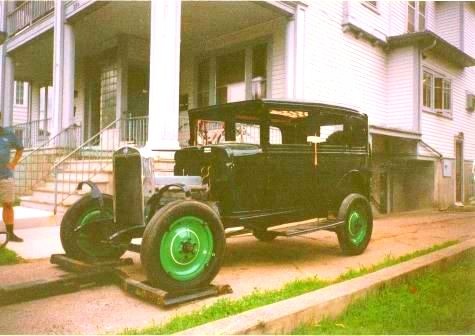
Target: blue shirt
[(8, 141)]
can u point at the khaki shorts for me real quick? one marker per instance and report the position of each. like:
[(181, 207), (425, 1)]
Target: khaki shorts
[(7, 190)]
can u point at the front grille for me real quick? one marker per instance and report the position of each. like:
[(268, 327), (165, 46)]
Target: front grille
[(128, 193)]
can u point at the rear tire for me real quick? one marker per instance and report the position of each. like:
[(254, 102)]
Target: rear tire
[(183, 246), (355, 234), (87, 245)]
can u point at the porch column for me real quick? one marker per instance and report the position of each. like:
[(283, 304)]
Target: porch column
[(68, 76), (3, 50), (58, 67), (9, 82), (294, 60), (163, 116), (35, 100), (63, 71)]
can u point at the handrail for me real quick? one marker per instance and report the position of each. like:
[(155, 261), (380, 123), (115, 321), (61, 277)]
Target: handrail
[(86, 143), (33, 133), (53, 139), (88, 166), (34, 166)]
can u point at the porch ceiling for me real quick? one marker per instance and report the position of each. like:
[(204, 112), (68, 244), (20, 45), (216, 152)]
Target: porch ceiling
[(34, 60), (97, 30), (201, 21)]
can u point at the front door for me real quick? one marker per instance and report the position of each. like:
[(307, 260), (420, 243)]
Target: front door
[(459, 171)]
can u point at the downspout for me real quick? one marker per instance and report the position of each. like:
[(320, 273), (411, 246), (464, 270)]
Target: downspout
[(432, 45)]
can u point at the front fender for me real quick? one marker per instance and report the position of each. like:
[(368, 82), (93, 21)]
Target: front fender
[(96, 193)]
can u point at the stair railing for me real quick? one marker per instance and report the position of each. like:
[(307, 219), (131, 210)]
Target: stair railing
[(86, 161), (35, 166), (33, 133)]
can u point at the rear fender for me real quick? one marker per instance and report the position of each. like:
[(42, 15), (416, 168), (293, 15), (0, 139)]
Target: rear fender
[(352, 182)]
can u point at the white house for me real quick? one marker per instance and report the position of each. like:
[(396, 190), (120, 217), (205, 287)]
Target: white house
[(409, 65)]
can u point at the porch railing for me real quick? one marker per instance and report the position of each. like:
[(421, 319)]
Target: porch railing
[(90, 160), (26, 14), (135, 130), (33, 133), (35, 165)]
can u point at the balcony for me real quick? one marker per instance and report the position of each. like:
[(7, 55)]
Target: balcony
[(26, 14)]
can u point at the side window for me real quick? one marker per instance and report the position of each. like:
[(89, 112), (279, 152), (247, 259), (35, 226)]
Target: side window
[(275, 136), (209, 132), (248, 133), (333, 134)]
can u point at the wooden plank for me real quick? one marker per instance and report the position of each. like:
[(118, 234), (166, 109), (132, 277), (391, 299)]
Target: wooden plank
[(42, 288), (74, 265)]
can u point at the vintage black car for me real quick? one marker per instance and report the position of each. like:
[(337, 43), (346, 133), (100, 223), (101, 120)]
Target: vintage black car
[(251, 166)]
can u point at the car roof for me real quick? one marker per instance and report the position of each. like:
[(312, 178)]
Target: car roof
[(256, 105)]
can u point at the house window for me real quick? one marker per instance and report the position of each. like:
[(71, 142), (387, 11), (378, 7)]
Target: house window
[(239, 76), (203, 83), (19, 92), (372, 5), (230, 78), (416, 16), (436, 93), (427, 89), (108, 101)]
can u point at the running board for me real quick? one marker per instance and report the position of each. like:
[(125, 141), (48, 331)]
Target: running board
[(308, 228)]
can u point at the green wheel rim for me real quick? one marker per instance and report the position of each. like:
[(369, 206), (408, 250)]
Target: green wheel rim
[(186, 248), (357, 227), (90, 240)]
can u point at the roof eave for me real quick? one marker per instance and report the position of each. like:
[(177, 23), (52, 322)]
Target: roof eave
[(441, 46)]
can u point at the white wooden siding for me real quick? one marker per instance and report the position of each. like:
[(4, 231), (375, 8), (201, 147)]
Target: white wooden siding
[(448, 21), (469, 29), (400, 88), (20, 114), (373, 21), (340, 69), (438, 131), (397, 17)]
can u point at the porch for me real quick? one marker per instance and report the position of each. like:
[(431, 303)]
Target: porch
[(115, 56), (116, 73)]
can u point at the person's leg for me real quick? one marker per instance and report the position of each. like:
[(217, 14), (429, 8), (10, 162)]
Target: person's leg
[(8, 197), (8, 219)]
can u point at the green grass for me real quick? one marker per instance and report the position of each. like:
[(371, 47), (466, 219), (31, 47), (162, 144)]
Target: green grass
[(8, 257), (226, 307), (435, 302), (390, 261)]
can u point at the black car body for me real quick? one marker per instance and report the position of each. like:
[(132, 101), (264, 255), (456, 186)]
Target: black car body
[(251, 165), (273, 182)]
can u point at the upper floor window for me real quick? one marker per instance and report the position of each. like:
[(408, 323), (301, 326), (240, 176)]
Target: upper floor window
[(19, 93), (372, 5), (416, 16), (436, 93)]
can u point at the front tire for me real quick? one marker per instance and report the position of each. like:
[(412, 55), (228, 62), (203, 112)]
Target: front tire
[(88, 244), (183, 246), (355, 234)]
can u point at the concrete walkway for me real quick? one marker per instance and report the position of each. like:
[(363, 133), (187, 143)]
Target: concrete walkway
[(248, 265)]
